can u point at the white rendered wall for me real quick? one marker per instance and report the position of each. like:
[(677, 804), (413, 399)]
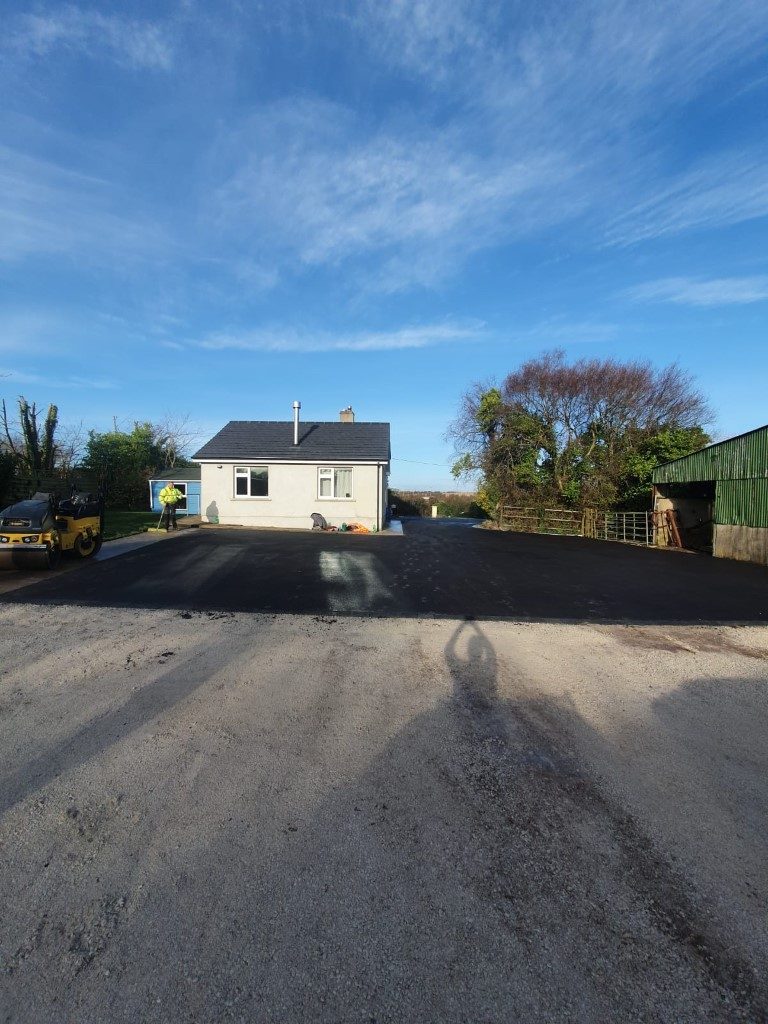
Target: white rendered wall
[(293, 497)]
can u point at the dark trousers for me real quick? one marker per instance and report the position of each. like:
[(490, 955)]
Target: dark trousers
[(168, 518)]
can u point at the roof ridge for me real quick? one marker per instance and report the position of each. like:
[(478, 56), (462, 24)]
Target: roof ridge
[(289, 423)]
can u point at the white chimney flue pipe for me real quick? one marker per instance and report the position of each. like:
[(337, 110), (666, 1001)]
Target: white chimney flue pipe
[(296, 407)]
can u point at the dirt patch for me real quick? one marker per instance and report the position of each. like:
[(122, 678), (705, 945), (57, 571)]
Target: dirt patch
[(677, 639)]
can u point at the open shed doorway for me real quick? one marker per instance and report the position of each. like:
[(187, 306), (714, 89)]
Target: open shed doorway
[(695, 506)]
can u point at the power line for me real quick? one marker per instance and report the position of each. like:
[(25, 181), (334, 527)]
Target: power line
[(415, 462)]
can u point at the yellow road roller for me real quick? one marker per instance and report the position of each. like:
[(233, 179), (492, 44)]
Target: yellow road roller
[(35, 533)]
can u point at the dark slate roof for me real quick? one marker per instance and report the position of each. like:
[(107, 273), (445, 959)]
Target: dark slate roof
[(264, 439)]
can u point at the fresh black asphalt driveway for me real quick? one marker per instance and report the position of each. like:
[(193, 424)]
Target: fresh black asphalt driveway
[(437, 568)]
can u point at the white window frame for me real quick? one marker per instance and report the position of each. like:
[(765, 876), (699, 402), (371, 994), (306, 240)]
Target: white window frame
[(329, 472), (183, 488), (245, 472)]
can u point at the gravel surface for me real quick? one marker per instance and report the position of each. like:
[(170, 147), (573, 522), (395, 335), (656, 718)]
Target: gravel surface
[(217, 816)]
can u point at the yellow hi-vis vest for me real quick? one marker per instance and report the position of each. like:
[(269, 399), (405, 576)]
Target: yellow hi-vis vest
[(170, 495)]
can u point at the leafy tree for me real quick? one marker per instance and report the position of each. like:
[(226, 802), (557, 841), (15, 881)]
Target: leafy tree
[(488, 497), (651, 451), (572, 433), (123, 461), (501, 443)]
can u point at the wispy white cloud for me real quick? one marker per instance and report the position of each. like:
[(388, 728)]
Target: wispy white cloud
[(563, 331), (318, 188), (428, 37), (606, 51), (133, 43), (23, 329), (478, 125), (551, 331), (49, 209), (288, 340), (257, 276), (98, 383), (531, 121), (725, 190), (689, 291), (67, 381)]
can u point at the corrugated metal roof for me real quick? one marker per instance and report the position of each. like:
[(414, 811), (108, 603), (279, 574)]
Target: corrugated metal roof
[(322, 442), (739, 458)]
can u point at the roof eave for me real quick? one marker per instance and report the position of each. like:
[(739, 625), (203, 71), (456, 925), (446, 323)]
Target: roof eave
[(233, 460)]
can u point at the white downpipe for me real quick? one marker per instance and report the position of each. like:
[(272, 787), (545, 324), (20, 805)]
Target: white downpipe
[(379, 500), (296, 407)]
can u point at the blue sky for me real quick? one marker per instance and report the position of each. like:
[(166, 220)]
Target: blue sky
[(212, 208)]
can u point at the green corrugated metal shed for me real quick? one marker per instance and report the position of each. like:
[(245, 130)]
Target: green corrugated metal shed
[(742, 503), (739, 468), (739, 458)]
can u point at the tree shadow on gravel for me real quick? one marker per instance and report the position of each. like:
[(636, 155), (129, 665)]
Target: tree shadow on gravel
[(98, 735)]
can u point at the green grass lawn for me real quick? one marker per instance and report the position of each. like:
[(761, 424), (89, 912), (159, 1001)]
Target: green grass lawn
[(123, 524)]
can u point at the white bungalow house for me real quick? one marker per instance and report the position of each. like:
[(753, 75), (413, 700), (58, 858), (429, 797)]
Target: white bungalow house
[(267, 473)]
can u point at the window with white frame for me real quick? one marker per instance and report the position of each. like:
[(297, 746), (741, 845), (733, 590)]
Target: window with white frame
[(181, 504), (251, 481), (334, 482)]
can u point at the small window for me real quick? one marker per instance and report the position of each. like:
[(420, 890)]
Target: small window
[(334, 482), (252, 481)]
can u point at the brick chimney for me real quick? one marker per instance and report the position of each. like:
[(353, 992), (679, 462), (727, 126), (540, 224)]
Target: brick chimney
[(347, 415)]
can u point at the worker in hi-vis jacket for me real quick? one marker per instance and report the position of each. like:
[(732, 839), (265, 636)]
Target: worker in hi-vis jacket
[(170, 496)]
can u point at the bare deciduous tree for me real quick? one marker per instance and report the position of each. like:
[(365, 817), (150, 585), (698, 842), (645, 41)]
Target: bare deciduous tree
[(11, 439), (175, 435), (70, 447)]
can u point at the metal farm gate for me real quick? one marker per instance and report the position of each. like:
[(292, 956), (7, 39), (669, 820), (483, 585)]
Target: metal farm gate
[(628, 527)]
